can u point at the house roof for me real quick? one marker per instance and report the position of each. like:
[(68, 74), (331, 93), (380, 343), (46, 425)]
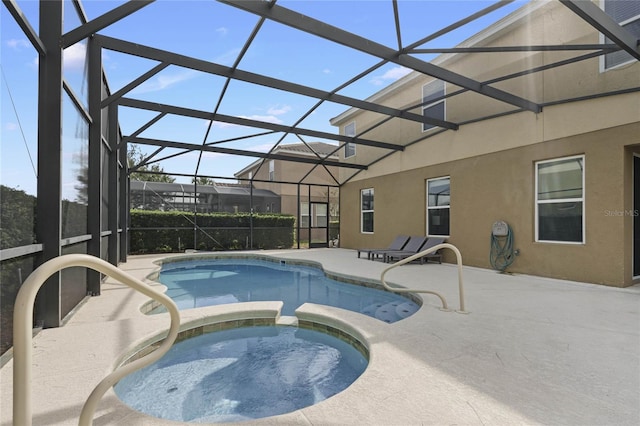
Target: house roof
[(223, 188), (310, 149)]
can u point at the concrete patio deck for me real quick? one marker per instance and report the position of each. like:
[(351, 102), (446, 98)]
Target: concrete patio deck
[(530, 351)]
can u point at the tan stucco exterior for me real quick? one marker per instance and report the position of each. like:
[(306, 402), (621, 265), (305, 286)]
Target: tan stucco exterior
[(491, 163)]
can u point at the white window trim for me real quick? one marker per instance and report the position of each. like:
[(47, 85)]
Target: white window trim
[(602, 38), (437, 207), (272, 168), (350, 144), (362, 212), (444, 92), (561, 200)]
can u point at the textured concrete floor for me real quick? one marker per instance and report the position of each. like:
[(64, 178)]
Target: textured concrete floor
[(530, 351)]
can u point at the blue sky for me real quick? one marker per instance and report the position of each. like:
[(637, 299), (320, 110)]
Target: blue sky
[(214, 32)]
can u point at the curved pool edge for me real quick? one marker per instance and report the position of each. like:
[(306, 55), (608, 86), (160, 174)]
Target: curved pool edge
[(333, 321), (207, 318), (149, 305)]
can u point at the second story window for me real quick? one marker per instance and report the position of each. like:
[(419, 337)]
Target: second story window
[(627, 14), (350, 148), (433, 105), (272, 173)]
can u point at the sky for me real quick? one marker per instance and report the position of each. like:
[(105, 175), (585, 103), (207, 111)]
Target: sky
[(215, 32)]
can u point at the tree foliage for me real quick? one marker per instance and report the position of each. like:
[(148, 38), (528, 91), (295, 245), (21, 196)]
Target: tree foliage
[(201, 180), (135, 157), (17, 224)]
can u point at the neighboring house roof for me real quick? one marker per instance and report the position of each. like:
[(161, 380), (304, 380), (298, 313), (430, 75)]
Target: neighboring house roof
[(321, 148), (309, 149), (223, 188)]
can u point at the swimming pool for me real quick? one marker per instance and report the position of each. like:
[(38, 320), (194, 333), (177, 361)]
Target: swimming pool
[(213, 281), (243, 373)]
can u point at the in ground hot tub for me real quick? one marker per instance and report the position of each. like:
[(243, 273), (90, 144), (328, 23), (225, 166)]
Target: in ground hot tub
[(245, 373)]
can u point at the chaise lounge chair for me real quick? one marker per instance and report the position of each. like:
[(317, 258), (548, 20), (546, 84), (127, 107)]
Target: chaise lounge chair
[(412, 247), (403, 254), (397, 244)]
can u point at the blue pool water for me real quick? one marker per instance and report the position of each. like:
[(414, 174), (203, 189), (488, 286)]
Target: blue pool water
[(197, 283), (242, 374)]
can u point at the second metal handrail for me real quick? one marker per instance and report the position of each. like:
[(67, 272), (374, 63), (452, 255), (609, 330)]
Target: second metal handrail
[(418, 256), (23, 325)]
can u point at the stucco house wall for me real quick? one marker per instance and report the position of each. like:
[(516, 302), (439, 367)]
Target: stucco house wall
[(491, 163)]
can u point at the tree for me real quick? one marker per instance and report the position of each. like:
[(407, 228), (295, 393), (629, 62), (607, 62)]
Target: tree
[(201, 180), (135, 157)]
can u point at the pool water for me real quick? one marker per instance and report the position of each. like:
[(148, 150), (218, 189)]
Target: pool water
[(242, 374), (197, 283)]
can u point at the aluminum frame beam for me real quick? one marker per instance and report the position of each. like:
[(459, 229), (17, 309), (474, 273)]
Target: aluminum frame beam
[(231, 151), (152, 53), (321, 29), (49, 185), (170, 109), (25, 26), (598, 19), (85, 30)]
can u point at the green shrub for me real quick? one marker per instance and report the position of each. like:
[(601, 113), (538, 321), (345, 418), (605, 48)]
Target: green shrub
[(161, 232)]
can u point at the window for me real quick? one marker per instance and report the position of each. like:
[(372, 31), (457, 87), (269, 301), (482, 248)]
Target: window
[(304, 215), (432, 108), (272, 172), (438, 206), (319, 218), (350, 147), (627, 14), (560, 200), (366, 211)]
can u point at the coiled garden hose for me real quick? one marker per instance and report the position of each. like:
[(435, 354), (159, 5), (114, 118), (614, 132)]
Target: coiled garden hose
[(502, 254)]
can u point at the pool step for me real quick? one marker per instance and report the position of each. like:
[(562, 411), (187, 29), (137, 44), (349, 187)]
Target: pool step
[(406, 309), (391, 312), (287, 320)]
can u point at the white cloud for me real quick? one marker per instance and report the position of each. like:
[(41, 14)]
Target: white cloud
[(278, 109), (11, 126), (222, 125), (390, 76), (74, 56), (326, 71), (266, 118), (18, 44), (206, 154), (227, 58), (265, 147), (223, 31), (163, 81)]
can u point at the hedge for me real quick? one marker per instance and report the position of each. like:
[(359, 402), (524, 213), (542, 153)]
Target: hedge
[(164, 232)]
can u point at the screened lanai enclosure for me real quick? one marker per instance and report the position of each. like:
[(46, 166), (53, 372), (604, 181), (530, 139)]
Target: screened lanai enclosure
[(195, 108)]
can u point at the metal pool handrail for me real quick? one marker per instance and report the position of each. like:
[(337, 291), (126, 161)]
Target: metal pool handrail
[(418, 256), (23, 339)]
